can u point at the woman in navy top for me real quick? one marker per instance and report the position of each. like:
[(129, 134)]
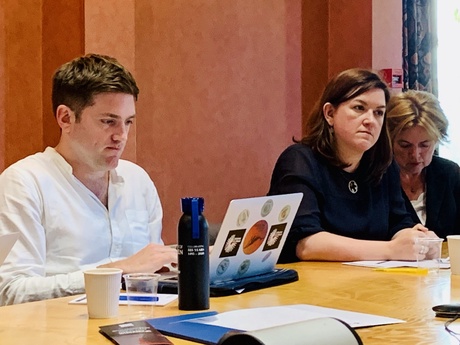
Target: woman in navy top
[(352, 208)]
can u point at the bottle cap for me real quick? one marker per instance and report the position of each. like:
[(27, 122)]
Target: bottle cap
[(186, 204)]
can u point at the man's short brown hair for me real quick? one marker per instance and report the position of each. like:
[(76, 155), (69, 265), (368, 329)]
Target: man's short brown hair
[(77, 82)]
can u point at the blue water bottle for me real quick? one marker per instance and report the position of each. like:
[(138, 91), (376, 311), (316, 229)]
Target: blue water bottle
[(193, 256)]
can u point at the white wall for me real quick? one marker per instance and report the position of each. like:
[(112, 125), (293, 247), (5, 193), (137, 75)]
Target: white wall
[(387, 34), (449, 73)]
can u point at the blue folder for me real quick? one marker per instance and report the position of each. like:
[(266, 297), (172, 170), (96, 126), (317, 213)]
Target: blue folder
[(180, 327)]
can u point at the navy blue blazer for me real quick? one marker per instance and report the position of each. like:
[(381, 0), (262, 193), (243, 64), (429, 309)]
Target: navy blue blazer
[(442, 198)]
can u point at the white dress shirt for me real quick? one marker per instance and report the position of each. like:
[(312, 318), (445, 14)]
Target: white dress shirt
[(65, 228)]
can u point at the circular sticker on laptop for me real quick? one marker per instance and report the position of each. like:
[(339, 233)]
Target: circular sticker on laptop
[(266, 256), (222, 267), (284, 213), (242, 217), (255, 237), (244, 267), (266, 208)]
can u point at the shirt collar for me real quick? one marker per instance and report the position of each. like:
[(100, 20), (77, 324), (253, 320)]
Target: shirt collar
[(115, 178)]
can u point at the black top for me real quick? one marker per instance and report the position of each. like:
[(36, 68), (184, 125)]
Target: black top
[(372, 213), (442, 197)]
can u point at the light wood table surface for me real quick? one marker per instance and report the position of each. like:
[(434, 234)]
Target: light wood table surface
[(399, 295)]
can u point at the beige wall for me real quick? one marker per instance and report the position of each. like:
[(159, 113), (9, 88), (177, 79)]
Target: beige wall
[(386, 34), (224, 84)]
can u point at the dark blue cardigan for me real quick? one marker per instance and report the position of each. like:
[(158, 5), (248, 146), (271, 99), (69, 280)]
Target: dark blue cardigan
[(442, 197)]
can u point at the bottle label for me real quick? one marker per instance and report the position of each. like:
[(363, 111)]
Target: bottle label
[(191, 250), (195, 220)]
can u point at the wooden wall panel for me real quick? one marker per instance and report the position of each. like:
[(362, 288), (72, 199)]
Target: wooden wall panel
[(62, 40), (33, 44), (3, 84), (333, 39), (109, 30), (350, 35), (23, 99), (214, 111), (315, 51)]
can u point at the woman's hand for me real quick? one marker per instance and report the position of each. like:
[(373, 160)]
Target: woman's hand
[(403, 245)]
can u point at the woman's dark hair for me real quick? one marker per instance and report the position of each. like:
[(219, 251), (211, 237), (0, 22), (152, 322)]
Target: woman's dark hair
[(319, 135)]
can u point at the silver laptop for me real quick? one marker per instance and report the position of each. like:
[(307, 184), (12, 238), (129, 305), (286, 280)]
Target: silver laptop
[(250, 238)]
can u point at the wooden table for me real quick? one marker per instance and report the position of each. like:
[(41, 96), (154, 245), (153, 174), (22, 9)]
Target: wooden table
[(399, 295)]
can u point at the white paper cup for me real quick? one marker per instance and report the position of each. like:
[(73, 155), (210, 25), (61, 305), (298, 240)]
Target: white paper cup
[(453, 243), (102, 287), (429, 253), (141, 294)]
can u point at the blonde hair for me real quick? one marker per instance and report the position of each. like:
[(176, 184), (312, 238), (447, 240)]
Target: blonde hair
[(417, 108)]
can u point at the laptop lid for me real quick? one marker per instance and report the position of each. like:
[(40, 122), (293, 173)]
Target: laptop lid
[(252, 236), (7, 242)]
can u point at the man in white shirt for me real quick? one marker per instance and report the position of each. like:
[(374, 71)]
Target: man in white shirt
[(78, 205)]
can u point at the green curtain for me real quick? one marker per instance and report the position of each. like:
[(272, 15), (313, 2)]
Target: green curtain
[(419, 45)]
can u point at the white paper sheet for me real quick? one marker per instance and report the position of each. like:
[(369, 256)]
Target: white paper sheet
[(163, 299), (445, 263), (259, 318)]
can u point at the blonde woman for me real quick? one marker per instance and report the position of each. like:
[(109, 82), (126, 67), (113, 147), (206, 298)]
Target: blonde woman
[(431, 184)]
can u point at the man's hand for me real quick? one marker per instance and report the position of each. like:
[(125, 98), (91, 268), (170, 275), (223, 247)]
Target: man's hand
[(151, 258)]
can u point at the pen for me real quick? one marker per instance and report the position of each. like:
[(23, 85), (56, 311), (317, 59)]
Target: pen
[(140, 298), (413, 270)]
